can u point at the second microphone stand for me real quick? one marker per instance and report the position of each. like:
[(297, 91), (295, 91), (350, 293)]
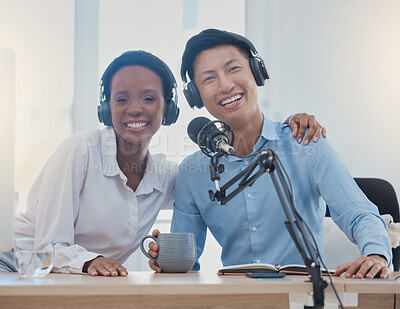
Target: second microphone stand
[(269, 162)]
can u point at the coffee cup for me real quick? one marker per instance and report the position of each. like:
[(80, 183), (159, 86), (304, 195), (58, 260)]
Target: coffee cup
[(176, 251)]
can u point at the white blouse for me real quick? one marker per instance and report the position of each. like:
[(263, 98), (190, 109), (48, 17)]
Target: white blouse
[(82, 202)]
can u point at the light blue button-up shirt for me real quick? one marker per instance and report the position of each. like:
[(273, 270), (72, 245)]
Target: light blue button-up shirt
[(250, 228)]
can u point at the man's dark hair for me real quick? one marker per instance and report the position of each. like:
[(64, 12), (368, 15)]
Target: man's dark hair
[(144, 59), (208, 39)]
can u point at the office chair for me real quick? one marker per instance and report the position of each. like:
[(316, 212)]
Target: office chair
[(382, 194)]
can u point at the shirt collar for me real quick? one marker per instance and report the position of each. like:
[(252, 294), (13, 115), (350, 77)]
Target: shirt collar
[(268, 130), (150, 179), (268, 133)]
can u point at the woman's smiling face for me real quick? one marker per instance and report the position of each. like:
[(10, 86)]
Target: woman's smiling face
[(137, 104)]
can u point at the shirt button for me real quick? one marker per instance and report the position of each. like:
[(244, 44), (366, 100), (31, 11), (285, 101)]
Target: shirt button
[(246, 162), (258, 261), (249, 195), (254, 229)]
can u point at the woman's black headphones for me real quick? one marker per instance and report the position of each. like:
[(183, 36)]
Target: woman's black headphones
[(171, 107), (257, 65)]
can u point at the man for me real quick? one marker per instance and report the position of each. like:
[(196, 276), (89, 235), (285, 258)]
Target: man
[(224, 71)]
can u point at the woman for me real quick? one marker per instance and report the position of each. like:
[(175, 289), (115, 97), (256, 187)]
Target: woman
[(101, 191)]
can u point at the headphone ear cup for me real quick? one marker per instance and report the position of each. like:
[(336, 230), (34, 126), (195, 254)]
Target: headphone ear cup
[(259, 72), (171, 113), (192, 95), (104, 113)]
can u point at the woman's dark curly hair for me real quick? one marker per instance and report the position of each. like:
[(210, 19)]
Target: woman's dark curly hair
[(142, 58)]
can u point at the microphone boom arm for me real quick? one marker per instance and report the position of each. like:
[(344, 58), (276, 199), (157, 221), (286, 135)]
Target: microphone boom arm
[(220, 194), (268, 161)]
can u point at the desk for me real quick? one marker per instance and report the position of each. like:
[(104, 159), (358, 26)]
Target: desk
[(191, 290)]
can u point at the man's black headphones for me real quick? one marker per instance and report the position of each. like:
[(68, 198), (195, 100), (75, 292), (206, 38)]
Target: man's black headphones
[(257, 67), (171, 107)]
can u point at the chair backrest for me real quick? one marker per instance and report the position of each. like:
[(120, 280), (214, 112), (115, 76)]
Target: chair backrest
[(382, 194)]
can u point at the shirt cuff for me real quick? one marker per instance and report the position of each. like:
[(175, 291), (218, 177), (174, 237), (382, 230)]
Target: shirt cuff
[(73, 266), (377, 250)]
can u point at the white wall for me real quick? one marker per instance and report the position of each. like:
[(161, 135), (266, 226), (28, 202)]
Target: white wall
[(340, 61), (7, 152), (41, 32)]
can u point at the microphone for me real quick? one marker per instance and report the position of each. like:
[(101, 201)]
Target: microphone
[(204, 133)]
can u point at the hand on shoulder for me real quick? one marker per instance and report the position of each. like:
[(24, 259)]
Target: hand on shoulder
[(299, 123)]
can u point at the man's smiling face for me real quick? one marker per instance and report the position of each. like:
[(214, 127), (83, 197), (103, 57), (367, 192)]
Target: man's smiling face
[(226, 84)]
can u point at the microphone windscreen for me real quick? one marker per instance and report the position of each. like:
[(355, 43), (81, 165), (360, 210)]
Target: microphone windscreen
[(195, 126)]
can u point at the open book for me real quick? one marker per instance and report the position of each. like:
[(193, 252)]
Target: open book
[(242, 269)]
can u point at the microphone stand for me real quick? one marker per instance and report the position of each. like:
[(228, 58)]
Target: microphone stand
[(269, 162)]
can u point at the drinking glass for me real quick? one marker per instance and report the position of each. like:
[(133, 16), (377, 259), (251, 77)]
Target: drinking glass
[(34, 257)]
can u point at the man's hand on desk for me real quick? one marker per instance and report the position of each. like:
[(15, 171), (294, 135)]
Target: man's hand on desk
[(365, 266), (154, 252), (104, 267)]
